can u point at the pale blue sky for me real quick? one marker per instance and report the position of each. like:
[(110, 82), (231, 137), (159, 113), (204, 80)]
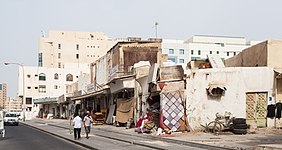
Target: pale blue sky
[(22, 21)]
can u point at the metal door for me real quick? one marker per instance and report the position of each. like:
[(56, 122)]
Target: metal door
[(256, 104)]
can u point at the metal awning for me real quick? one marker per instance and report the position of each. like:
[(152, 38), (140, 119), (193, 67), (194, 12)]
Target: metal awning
[(46, 100), (87, 95)]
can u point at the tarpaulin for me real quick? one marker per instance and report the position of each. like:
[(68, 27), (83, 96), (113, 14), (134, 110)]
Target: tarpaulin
[(124, 109)]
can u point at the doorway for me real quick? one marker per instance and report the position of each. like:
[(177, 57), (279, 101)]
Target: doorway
[(256, 110)]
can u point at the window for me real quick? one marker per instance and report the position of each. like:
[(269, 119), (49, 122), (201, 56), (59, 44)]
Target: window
[(55, 86), (192, 52), (36, 87), (199, 52), (181, 60), (28, 87), (181, 51), (77, 46), (42, 77), (28, 101), (172, 59), (227, 54), (171, 51), (28, 75), (217, 52), (77, 56), (69, 77), (59, 55), (59, 65), (59, 46), (42, 89), (210, 52), (234, 53), (40, 63), (56, 76)]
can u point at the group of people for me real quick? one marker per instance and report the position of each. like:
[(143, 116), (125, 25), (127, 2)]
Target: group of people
[(78, 122)]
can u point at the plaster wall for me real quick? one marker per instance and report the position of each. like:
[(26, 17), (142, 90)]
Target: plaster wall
[(101, 71), (274, 53), (201, 108), (122, 84), (250, 57)]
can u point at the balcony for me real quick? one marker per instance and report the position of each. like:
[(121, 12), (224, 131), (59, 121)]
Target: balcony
[(119, 71)]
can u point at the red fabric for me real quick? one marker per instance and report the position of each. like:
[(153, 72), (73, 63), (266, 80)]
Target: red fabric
[(146, 116), (139, 122)]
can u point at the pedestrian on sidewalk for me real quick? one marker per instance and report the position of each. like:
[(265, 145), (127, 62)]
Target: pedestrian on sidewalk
[(77, 121), (87, 123)]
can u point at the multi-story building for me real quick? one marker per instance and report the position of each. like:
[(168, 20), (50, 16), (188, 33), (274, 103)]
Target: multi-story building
[(13, 104), (199, 46), (44, 85), (113, 77), (63, 47), (177, 51), (3, 95)]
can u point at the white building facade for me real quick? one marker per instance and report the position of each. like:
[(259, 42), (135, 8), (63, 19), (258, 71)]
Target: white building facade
[(199, 46), (41, 83)]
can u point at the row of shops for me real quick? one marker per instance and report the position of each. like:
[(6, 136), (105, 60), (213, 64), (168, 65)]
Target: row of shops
[(175, 101), (128, 98)]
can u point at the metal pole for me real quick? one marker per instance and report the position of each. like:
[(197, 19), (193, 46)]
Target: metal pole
[(156, 28), (24, 100)]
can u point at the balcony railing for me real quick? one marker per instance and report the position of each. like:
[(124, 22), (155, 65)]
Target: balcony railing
[(119, 71)]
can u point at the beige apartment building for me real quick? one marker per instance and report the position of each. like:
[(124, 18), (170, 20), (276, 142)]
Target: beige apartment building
[(13, 104), (3, 95), (63, 47)]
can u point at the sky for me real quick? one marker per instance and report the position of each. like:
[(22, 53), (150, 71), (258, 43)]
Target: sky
[(22, 23)]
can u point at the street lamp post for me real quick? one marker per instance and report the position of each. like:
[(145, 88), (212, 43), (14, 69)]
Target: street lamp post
[(24, 100)]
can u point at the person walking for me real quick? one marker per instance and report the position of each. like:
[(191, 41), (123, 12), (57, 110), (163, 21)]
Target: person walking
[(77, 121), (87, 123)]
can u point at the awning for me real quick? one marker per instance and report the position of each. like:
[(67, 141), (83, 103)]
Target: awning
[(65, 102), (278, 70), (214, 85), (46, 100), (88, 95)]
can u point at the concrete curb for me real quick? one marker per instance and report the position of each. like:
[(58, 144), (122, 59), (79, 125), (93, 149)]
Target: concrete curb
[(87, 146), (59, 136), (186, 143)]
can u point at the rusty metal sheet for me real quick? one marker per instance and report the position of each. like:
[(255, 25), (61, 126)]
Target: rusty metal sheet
[(170, 73)]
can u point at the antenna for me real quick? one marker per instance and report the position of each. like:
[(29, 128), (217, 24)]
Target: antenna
[(156, 28)]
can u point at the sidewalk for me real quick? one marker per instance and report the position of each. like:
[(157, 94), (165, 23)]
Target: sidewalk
[(261, 141)]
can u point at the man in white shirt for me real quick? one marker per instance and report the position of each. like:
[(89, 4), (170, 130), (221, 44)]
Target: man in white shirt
[(87, 123), (77, 121)]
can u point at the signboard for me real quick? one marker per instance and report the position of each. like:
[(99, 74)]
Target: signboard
[(215, 61), (90, 88)]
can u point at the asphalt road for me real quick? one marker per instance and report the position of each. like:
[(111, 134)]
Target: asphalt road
[(25, 138)]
